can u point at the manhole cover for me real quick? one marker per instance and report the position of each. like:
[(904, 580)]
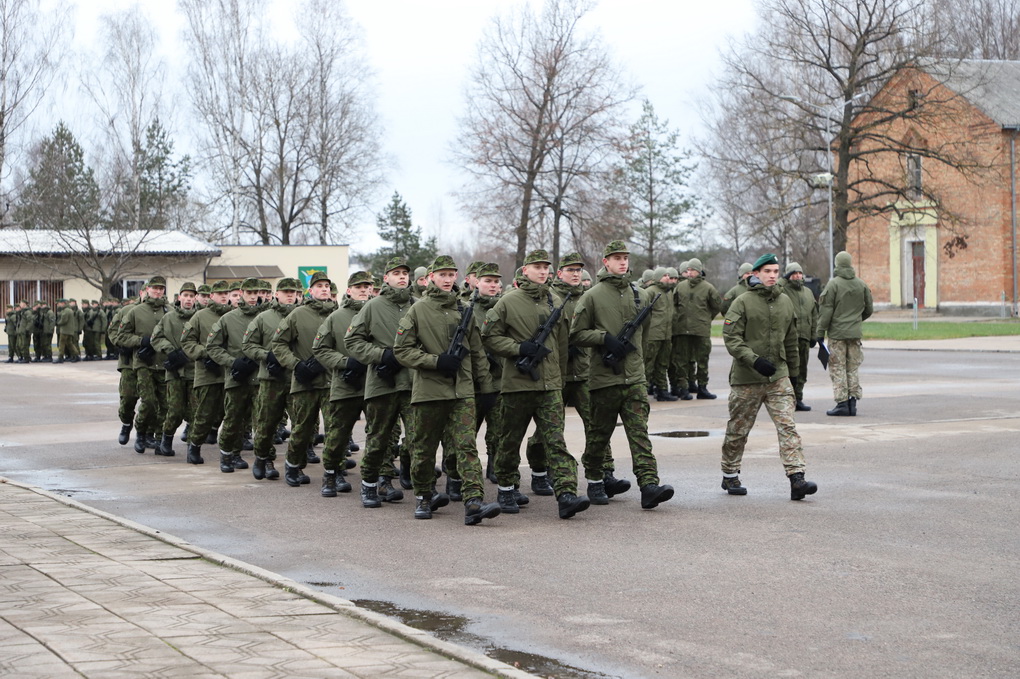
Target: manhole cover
[(682, 434)]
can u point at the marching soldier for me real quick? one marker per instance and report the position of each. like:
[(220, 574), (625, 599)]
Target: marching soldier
[(42, 335), (180, 370), (489, 408), (617, 389), (128, 386), (806, 308), (136, 329)]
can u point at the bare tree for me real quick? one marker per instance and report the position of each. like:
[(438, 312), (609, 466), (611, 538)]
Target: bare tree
[(975, 29)]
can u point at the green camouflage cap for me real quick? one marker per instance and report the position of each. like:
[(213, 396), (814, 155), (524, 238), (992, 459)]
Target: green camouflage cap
[(768, 258), (744, 268), (420, 271), (265, 285), (490, 269), (538, 257), (333, 289), (288, 284), (395, 263), (233, 285), (156, 280), (358, 278), (442, 262), (572, 259), (319, 276), (793, 267), (204, 289), (188, 287), (376, 281), (615, 247), (251, 285), (220, 286), (473, 267)]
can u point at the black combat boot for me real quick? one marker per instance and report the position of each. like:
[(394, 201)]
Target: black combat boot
[(685, 395), (226, 463), (349, 464), (248, 444), (405, 476), (352, 447), (731, 484), (613, 485), (212, 437), (292, 475), (652, 495), (540, 484), (342, 484), (283, 432), (139, 443), (651, 389), (238, 461), (801, 407), (328, 485), (312, 457), (692, 387), (853, 406), (570, 504), (319, 440), (453, 489), (520, 498), (258, 469), (195, 454), (675, 390), (842, 409), (597, 493), (151, 442), (10, 358), (166, 446), (799, 487), (475, 511), (184, 434), (507, 502), (703, 392), (370, 496), (125, 434), (423, 509), (490, 472), (663, 395), (387, 493), (271, 473)]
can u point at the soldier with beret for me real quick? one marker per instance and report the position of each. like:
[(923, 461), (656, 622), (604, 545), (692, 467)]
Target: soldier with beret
[(806, 308), (207, 388), (136, 328), (760, 332), (180, 370)]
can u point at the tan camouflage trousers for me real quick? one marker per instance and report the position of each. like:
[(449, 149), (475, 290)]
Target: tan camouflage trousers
[(628, 403), (745, 402), (453, 422), (845, 358)]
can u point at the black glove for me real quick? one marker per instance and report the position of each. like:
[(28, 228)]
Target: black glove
[(529, 348), (355, 366), (126, 352), (484, 403), (388, 359), (573, 351), (307, 370), (146, 341), (448, 363), (212, 366), (614, 345), (175, 360), (242, 368), (764, 366), (145, 351), (815, 341), (274, 367)]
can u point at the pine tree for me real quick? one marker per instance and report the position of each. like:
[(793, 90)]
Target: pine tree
[(395, 226)]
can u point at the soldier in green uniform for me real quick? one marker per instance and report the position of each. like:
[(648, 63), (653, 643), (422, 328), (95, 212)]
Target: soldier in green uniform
[(99, 325), (309, 387), (806, 308), (511, 328), (421, 281), (760, 332), (844, 305), (180, 370), (204, 296), (470, 280), (274, 379), (42, 332), (88, 334), (443, 395), (136, 328), (369, 339), (26, 325), (488, 408), (659, 334), (616, 393), (700, 302), (79, 328), (10, 327), (740, 288), (207, 389), (128, 386), (224, 346)]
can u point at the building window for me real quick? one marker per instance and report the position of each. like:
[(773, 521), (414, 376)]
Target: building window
[(12, 292), (913, 99), (126, 288), (914, 185)]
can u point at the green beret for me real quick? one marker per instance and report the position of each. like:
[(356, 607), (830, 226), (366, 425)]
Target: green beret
[(204, 289), (318, 276), (288, 284), (473, 267), (763, 260), (220, 286), (188, 287), (156, 281), (396, 263), (744, 268), (251, 285), (793, 267), (490, 269), (420, 271), (358, 278), (572, 259), (615, 247), (538, 257), (442, 262)]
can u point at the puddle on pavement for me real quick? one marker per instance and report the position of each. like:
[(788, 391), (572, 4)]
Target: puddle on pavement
[(453, 628), (683, 434)]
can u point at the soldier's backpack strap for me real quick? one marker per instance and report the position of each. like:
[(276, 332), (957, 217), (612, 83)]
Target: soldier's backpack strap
[(637, 297)]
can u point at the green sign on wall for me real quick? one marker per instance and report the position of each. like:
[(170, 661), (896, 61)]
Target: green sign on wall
[(305, 274)]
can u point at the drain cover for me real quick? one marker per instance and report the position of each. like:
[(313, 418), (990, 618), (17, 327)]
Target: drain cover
[(682, 434)]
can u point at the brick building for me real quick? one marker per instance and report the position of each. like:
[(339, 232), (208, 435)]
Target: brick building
[(956, 254)]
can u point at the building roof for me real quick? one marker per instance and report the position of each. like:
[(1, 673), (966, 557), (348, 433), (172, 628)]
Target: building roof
[(991, 86), (17, 241)]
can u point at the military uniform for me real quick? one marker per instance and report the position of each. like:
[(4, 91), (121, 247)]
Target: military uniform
[(26, 325), (136, 328), (740, 288), (844, 305), (207, 389), (488, 408), (10, 328), (806, 308), (43, 337), (658, 335), (128, 385), (180, 371), (699, 303), (79, 328)]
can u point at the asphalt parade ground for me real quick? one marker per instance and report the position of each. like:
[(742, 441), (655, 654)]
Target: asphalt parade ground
[(904, 564)]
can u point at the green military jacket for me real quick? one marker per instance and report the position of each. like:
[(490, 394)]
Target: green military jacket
[(331, 351), (761, 323), (731, 294), (26, 321), (424, 332), (660, 323), (48, 321), (699, 302), (65, 321), (609, 305), (482, 306), (373, 331), (294, 337), (516, 318), (844, 305), (224, 341), (193, 338), (804, 305), (138, 322), (123, 361), (578, 358), (79, 320), (259, 336), (167, 337)]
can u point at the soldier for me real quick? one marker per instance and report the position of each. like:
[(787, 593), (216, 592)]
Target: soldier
[(443, 395), (41, 339), (421, 281), (136, 328), (79, 328), (760, 332), (347, 383), (488, 408), (659, 333), (88, 334), (100, 326), (617, 391), (65, 334), (740, 288), (369, 339), (26, 326), (204, 296), (207, 389), (699, 302), (10, 327), (844, 305), (224, 346), (274, 379), (180, 370), (586, 280), (511, 331), (806, 308), (470, 280), (309, 387), (128, 386)]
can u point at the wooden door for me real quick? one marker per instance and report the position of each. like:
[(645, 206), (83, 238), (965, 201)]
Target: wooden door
[(917, 258)]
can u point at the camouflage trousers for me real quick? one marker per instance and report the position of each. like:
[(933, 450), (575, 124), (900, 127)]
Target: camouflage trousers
[(382, 416), (546, 409), (23, 340), (804, 351), (128, 395), (179, 406), (43, 345), (629, 403), (339, 417), (845, 358), (237, 410), (208, 401), (689, 360), (745, 402), (657, 362), (577, 396), (152, 395), (493, 427), (304, 409), (270, 409), (89, 343), (67, 346), (451, 421)]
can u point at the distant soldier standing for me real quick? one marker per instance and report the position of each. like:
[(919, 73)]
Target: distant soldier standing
[(43, 335), (136, 330), (700, 302), (760, 332), (79, 328), (843, 307), (10, 327), (806, 308), (26, 326), (659, 334)]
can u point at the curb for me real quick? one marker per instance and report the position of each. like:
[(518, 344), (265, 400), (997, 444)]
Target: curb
[(343, 606)]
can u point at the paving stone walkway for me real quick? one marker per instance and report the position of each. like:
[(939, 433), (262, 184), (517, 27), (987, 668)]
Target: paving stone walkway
[(82, 595)]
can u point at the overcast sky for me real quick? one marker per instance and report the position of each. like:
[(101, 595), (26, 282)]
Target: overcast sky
[(421, 51)]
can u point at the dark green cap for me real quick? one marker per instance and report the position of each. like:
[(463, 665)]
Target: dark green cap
[(442, 262), (358, 278), (188, 287), (233, 285), (615, 247), (251, 285), (763, 260), (571, 259), (289, 284), (220, 286), (333, 289), (156, 280), (396, 263), (490, 269), (538, 257), (318, 276), (376, 281), (473, 267), (204, 289)]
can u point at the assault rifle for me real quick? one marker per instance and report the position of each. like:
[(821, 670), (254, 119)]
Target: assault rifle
[(529, 364), (611, 359), (457, 348)]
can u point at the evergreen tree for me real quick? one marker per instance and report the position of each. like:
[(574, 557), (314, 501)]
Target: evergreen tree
[(155, 186), (395, 226)]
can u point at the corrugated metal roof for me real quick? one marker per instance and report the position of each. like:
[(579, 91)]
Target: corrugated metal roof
[(992, 86), (17, 241)]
